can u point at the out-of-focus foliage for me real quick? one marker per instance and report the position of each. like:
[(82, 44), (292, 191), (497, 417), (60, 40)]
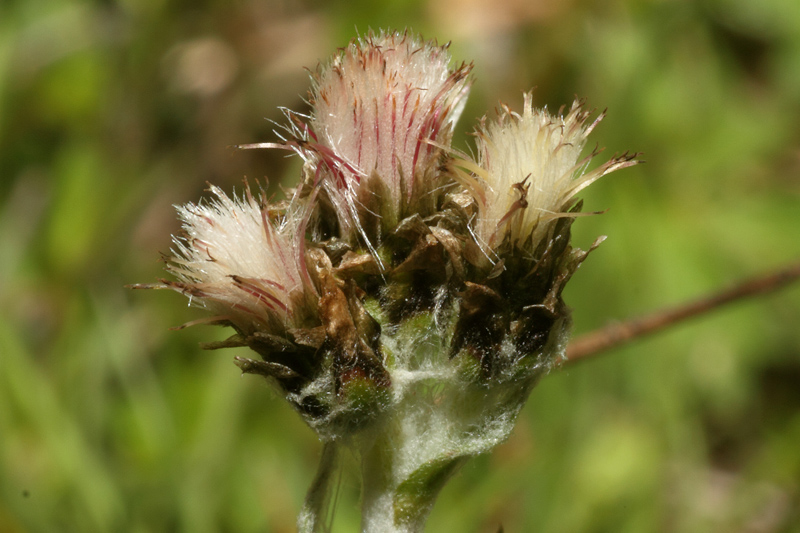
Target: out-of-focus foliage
[(112, 111)]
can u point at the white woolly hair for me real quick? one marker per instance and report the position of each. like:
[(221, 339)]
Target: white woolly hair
[(241, 264)]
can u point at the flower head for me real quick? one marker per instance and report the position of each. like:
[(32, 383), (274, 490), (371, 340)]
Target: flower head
[(528, 170), (381, 109), (244, 265)]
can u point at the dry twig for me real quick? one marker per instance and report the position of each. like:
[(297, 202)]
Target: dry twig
[(617, 334)]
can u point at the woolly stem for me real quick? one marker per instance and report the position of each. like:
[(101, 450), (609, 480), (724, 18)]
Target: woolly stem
[(400, 504)]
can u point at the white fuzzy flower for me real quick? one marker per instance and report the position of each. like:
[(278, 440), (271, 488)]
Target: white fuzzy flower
[(246, 268), (528, 170), (381, 107)]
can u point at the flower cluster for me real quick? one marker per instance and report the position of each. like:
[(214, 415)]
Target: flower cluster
[(408, 296)]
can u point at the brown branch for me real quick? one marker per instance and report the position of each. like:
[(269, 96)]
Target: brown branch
[(615, 335)]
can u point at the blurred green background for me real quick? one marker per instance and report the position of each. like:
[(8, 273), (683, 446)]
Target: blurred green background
[(112, 111)]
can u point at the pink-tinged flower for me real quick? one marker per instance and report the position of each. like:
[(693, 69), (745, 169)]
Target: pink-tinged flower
[(245, 266), (528, 170), (382, 107)]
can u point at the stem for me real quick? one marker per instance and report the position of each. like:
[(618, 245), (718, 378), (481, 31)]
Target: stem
[(377, 487), (401, 504), (314, 514), (614, 335)]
